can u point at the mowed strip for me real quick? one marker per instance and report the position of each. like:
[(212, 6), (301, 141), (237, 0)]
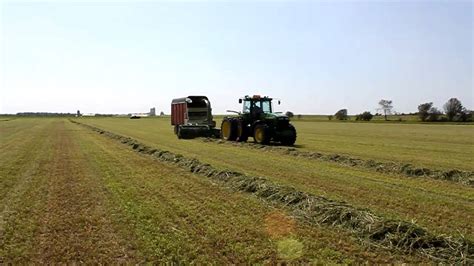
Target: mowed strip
[(441, 206), (178, 216), (21, 189), (53, 213), (76, 224), (18, 142)]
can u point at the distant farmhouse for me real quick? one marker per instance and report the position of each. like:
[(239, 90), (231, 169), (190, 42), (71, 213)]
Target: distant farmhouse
[(88, 114), (151, 113)]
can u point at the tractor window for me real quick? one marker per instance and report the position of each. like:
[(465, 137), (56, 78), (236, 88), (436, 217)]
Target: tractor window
[(246, 109), (266, 106)]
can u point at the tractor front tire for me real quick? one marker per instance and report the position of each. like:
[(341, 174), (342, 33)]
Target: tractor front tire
[(261, 134), (289, 137), (229, 129)]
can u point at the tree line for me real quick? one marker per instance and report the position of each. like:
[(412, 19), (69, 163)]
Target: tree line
[(454, 111)]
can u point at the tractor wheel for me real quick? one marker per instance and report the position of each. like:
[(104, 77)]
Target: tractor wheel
[(185, 133), (242, 131), (289, 136), (229, 129), (260, 134), (180, 132)]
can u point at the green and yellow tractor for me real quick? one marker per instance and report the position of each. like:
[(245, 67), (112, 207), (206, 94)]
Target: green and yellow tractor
[(258, 120)]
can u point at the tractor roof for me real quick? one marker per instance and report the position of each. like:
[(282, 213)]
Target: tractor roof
[(256, 98)]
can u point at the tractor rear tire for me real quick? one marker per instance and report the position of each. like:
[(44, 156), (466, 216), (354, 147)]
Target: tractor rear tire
[(229, 129), (242, 131), (261, 134)]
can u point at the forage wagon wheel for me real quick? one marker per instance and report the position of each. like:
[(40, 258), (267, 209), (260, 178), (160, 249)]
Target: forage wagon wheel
[(229, 129), (242, 131), (261, 134), (184, 133), (176, 128), (179, 132)]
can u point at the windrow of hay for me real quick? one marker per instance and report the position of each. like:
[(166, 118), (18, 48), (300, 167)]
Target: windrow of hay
[(399, 236), (453, 175)]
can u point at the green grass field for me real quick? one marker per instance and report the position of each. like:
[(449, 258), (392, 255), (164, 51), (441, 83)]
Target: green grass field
[(68, 193)]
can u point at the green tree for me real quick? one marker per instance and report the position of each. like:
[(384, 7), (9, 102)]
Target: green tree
[(424, 110), (452, 108), (433, 114), (365, 116), (386, 106)]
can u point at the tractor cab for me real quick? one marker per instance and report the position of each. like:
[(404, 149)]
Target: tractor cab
[(255, 106)]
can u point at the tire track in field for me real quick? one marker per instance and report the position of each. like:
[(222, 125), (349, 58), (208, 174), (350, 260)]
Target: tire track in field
[(75, 223), (392, 234)]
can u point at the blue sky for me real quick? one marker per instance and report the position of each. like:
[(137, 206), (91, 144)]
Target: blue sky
[(318, 57)]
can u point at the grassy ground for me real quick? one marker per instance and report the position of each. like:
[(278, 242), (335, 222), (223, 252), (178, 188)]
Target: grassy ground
[(438, 205), (438, 146), (432, 146), (69, 194)]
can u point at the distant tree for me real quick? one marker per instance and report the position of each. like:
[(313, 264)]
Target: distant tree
[(341, 114), (433, 114), (464, 116), (162, 113), (424, 110), (289, 114), (365, 116), (46, 114), (469, 115), (330, 117), (300, 116), (452, 108), (386, 106)]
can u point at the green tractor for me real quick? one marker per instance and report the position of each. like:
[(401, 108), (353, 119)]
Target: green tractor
[(257, 120)]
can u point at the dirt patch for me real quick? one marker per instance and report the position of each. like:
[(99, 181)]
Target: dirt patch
[(396, 235), (406, 169), (278, 225)]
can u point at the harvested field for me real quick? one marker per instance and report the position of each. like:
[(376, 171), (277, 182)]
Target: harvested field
[(118, 190), (442, 206), (391, 234)]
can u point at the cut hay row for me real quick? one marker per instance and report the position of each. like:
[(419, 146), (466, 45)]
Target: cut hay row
[(398, 236), (453, 175)]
